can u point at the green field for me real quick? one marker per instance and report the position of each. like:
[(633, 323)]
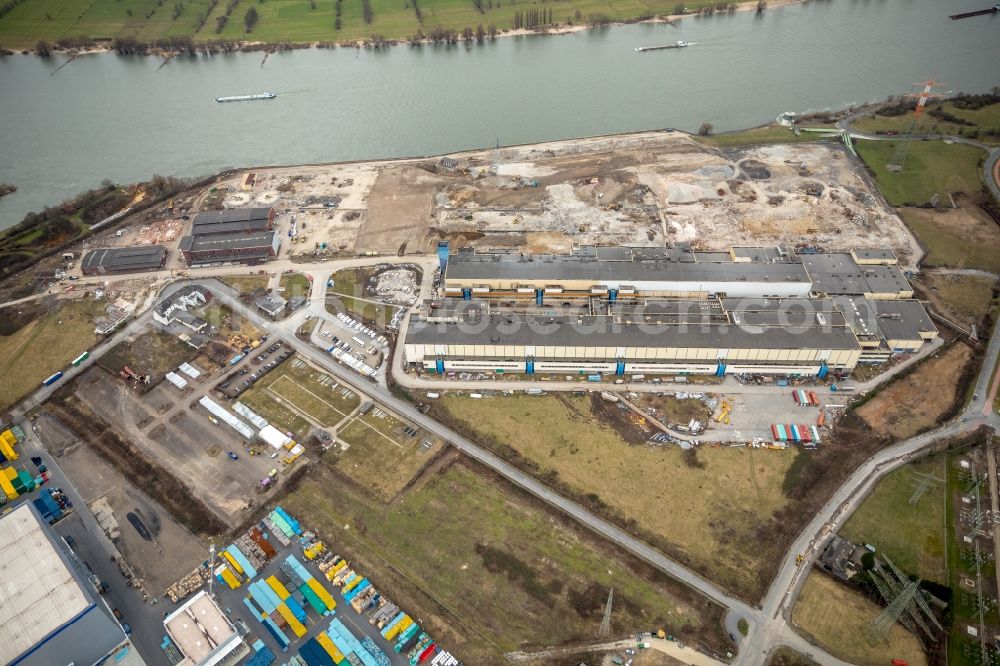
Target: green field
[(758, 135), (245, 284), (932, 167), (292, 20), (40, 343), (294, 284), (487, 570), (912, 535), (381, 457), (966, 243), (729, 496), (985, 123), (835, 615)]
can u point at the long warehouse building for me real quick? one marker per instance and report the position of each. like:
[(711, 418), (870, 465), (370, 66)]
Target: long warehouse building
[(668, 311)]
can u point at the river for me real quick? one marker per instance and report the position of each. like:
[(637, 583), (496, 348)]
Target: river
[(125, 118)]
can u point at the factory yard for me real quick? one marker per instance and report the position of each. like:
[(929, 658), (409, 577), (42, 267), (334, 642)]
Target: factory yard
[(567, 442), (501, 572), (914, 402), (834, 615), (641, 189)]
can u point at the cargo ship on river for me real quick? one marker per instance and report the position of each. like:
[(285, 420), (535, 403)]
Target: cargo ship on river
[(247, 98)]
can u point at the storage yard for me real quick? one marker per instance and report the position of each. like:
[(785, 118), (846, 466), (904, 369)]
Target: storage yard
[(278, 579), (501, 573), (738, 490)]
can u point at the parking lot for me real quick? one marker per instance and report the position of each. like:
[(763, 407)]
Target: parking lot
[(353, 338)]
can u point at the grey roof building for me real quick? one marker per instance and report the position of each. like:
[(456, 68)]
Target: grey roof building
[(124, 260), (232, 221), (254, 246), (49, 613)]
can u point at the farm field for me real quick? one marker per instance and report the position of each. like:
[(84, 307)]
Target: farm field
[(835, 615), (501, 572), (35, 344), (380, 457), (932, 167), (738, 491), (964, 237), (288, 20), (914, 402), (911, 535)]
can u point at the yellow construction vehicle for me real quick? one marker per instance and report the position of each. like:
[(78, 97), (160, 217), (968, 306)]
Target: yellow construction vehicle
[(723, 416), (799, 559)]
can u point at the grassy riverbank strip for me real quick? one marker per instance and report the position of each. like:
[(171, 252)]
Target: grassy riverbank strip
[(196, 24)]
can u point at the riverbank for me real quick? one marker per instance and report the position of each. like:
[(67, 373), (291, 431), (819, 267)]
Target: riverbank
[(486, 24)]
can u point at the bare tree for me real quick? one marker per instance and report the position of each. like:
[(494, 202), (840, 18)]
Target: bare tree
[(705, 129)]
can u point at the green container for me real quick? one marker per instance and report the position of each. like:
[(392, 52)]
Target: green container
[(27, 480)]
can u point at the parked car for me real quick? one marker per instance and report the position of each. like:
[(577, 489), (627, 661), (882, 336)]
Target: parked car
[(233, 456)]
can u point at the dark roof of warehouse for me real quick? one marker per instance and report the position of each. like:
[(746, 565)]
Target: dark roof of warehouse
[(231, 221), (123, 258), (259, 239), (232, 215), (577, 267), (603, 332), (50, 614), (896, 319)]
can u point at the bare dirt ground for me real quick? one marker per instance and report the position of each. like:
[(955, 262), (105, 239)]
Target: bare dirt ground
[(646, 189), (915, 401), (162, 425), (171, 551)]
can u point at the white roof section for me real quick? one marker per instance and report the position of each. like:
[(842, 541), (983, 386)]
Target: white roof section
[(38, 592), (274, 437), (250, 415), (189, 370), (217, 410), (176, 380), (201, 631), (48, 613)]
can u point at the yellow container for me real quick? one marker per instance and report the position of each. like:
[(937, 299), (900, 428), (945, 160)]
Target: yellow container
[(278, 587), (321, 592), (331, 649)]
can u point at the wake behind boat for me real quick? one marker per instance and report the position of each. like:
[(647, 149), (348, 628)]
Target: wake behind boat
[(676, 45), (246, 98)]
